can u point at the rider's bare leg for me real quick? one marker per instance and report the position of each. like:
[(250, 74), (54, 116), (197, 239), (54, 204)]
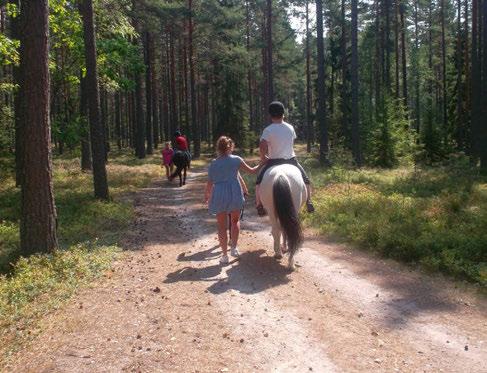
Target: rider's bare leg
[(257, 195), (309, 204), (308, 189), (258, 203)]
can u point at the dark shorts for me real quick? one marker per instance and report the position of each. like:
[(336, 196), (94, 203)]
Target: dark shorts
[(275, 162)]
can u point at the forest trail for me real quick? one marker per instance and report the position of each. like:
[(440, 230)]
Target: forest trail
[(170, 307)]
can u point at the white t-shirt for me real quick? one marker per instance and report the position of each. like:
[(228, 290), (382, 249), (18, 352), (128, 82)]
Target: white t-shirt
[(280, 140)]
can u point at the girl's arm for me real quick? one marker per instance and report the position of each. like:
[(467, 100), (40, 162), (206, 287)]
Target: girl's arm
[(209, 189), (243, 184), (251, 170)]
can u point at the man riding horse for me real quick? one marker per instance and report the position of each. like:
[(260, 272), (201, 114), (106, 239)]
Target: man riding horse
[(282, 186), (181, 157), (277, 144)]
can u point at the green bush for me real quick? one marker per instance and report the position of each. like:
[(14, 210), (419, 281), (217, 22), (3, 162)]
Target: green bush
[(436, 217)]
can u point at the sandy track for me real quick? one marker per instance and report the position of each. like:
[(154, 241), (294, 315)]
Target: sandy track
[(170, 307)]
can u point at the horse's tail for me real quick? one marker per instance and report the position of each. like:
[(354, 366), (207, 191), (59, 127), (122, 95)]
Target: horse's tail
[(287, 214)]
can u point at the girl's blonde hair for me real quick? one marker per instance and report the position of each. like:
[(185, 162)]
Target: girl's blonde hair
[(168, 143), (224, 144)]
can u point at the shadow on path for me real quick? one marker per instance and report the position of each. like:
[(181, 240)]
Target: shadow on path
[(253, 274)]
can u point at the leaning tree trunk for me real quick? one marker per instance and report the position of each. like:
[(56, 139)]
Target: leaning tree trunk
[(38, 212), (321, 110), (92, 89)]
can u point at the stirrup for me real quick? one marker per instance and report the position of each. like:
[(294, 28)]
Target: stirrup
[(309, 207)]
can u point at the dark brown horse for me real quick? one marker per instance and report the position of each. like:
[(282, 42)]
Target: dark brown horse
[(181, 160)]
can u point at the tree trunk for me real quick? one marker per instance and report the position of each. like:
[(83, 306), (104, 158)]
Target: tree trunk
[(430, 69), (174, 109), (140, 125), (396, 45), (269, 52), (155, 96), (475, 86), (417, 107), (309, 119), (321, 110), (249, 67), (356, 149), (92, 89), (38, 221), (387, 46), (194, 119), (118, 120), (344, 97), (443, 68), (483, 128), (15, 27), (265, 73), (85, 131), (148, 95), (403, 58)]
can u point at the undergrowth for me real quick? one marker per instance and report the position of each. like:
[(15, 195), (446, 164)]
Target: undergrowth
[(89, 232), (435, 216)]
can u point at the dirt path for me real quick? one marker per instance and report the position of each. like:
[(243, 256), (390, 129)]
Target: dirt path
[(170, 307)]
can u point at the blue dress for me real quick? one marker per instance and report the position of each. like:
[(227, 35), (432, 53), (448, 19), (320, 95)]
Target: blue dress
[(227, 194)]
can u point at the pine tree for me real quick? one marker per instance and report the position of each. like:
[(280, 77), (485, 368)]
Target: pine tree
[(96, 129), (321, 110), (38, 221)]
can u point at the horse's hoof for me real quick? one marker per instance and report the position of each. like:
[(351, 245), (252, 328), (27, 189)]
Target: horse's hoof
[(278, 256)]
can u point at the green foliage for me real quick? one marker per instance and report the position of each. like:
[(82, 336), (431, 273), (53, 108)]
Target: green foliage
[(41, 283), (7, 127), (89, 234), (436, 217), (118, 60), (391, 140), (8, 51)]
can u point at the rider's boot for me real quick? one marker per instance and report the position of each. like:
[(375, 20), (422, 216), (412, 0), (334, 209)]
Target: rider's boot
[(261, 210), (309, 206)]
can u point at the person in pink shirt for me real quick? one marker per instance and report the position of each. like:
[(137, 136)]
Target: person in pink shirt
[(167, 154)]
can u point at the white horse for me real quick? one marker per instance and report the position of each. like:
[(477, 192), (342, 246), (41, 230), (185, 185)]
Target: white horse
[(283, 193)]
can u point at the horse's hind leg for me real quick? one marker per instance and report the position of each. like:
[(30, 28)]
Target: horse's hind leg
[(276, 234), (284, 247)]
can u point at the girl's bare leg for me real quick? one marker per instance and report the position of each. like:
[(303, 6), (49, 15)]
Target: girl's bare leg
[(235, 227), (222, 231), (167, 171)]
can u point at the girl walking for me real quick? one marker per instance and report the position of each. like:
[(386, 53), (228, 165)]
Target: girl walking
[(224, 194), (167, 154)]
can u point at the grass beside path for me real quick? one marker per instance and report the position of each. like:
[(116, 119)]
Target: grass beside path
[(89, 233), (435, 217)]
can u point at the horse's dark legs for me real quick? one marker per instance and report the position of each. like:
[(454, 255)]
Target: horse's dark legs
[(184, 179), (178, 173)]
